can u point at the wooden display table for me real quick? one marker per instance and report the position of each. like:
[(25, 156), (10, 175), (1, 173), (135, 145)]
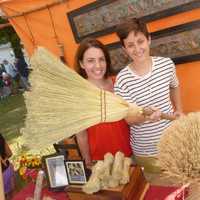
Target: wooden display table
[(134, 190)]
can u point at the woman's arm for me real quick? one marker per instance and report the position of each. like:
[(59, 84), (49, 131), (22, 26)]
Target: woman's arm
[(176, 100), (82, 139), (8, 151), (148, 114), (134, 119)]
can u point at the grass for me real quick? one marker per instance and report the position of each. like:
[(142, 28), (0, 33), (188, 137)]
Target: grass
[(12, 116)]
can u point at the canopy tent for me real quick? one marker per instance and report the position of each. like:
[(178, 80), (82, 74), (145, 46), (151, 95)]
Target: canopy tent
[(40, 23)]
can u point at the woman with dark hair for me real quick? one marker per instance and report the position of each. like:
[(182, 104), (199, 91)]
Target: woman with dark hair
[(22, 68), (149, 81), (93, 63)]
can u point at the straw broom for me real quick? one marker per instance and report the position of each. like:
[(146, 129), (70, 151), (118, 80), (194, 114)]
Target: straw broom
[(179, 151), (62, 103)]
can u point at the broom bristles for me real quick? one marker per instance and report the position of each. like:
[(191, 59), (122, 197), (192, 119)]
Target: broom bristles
[(179, 149), (62, 103)]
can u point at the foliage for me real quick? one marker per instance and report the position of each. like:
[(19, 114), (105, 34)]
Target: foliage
[(8, 34), (29, 166), (23, 156)]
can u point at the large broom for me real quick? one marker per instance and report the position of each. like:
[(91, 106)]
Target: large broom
[(179, 152), (62, 103)]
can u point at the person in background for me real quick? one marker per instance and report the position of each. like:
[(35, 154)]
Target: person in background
[(149, 82), (23, 70), (2, 69), (7, 82), (93, 63), (9, 69), (13, 75), (7, 168), (1, 86)]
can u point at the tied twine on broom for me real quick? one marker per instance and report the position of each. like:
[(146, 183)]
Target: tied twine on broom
[(62, 103)]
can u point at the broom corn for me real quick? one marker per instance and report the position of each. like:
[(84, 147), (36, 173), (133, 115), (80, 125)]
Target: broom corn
[(61, 103), (179, 149)]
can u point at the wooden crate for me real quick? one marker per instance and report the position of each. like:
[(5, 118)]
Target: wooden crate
[(134, 190)]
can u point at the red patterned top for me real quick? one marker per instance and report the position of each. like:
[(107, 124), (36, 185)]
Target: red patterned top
[(109, 137)]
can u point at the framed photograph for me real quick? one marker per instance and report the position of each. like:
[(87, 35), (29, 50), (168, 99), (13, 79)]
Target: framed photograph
[(76, 171), (181, 43), (56, 171), (100, 17)]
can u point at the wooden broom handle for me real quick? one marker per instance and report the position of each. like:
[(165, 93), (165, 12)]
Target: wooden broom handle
[(148, 111)]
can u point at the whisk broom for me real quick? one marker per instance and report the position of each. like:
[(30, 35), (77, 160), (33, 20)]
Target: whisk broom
[(62, 103)]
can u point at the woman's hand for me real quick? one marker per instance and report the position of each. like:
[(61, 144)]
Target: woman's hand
[(138, 115), (178, 114), (134, 115), (155, 114)]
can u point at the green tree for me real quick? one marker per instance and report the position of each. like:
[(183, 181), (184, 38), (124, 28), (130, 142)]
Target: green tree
[(8, 34)]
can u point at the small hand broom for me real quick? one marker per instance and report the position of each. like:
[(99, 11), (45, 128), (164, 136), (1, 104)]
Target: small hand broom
[(179, 151), (61, 103)]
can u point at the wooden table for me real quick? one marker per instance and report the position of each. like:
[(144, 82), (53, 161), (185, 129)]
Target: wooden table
[(135, 189)]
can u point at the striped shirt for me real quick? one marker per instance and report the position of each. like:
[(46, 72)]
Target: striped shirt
[(152, 89)]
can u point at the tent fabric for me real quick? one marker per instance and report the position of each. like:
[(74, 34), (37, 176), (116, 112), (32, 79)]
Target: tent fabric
[(43, 24)]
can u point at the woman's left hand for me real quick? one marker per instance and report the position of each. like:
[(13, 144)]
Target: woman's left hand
[(155, 116), (178, 114)]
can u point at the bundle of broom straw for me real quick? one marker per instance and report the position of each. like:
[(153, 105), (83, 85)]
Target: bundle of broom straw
[(179, 151), (62, 103)]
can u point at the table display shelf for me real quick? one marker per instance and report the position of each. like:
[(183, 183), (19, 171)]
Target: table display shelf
[(135, 189)]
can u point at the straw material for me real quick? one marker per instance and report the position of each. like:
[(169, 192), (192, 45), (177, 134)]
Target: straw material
[(61, 103), (194, 192), (179, 149)]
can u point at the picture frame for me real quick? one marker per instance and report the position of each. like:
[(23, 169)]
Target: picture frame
[(55, 170), (69, 147), (181, 43), (100, 17), (76, 172)]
